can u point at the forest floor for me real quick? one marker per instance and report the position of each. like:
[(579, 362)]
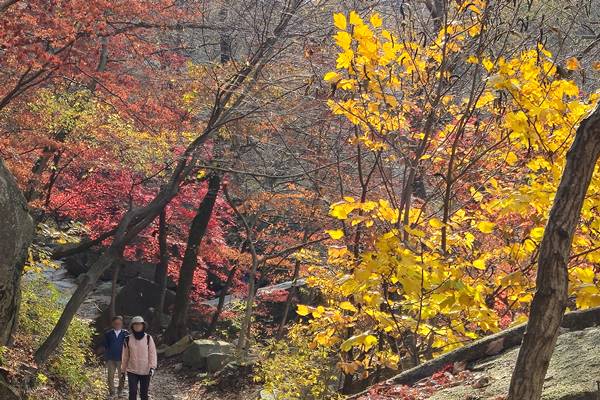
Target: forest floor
[(169, 383)]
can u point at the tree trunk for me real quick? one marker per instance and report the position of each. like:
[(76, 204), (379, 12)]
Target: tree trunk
[(16, 231), (85, 287), (178, 326), (162, 268), (552, 282), (85, 244), (221, 303), (242, 347), (224, 35), (113, 291), (39, 167), (290, 298), (245, 329)]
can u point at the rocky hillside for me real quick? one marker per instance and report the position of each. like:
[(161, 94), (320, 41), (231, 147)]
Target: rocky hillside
[(573, 374), (482, 370)]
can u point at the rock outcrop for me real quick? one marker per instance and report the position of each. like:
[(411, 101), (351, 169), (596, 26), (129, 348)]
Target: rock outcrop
[(177, 348), (197, 354), (573, 373), (216, 361), (16, 231)]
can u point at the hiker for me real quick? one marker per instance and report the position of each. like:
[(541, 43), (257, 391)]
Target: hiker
[(139, 359), (113, 349)]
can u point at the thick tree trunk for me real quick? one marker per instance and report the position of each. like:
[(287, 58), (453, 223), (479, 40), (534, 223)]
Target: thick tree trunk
[(552, 282), (85, 287), (16, 231), (178, 326)]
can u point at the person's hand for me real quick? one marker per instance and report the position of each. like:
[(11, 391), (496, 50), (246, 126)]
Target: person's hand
[(151, 372)]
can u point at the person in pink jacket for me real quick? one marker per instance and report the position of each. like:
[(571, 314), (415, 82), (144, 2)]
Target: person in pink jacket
[(139, 359)]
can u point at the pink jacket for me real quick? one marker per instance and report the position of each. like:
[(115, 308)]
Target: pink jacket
[(139, 356)]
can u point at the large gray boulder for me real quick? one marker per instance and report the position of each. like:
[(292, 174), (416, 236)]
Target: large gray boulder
[(136, 269), (178, 347), (16, 232), (195, 356), (216, 361), (572, 375)]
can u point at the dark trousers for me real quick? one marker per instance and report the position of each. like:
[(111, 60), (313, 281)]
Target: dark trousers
[(144, 383)]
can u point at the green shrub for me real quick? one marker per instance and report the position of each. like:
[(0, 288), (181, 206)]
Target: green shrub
[(2, 352), (41, 307), (293, 369)]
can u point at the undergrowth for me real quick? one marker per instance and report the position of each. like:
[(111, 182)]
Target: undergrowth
[(73, 372)]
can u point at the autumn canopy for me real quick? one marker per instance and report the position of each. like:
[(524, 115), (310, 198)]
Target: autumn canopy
[(342, 193)]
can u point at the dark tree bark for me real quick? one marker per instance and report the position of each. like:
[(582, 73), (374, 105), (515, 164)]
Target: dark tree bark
[(437, 9), (113, 291), (16, 231), (178, 326), (83, 245), (224, 35), (550, 299), (162, 269), (39, 167)]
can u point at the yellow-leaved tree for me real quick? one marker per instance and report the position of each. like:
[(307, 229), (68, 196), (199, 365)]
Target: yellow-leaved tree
[(462, 151)]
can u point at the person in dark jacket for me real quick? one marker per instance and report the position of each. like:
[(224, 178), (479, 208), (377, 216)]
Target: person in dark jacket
[(113, 351)]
